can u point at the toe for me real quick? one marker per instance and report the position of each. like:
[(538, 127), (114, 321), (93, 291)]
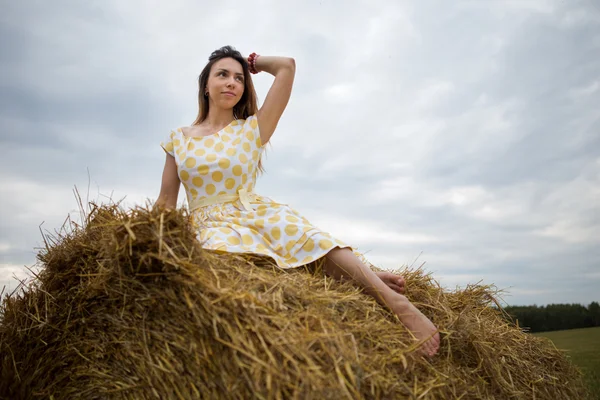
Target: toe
[(396, 288), (432, 349), (435, 343), (427, 350)]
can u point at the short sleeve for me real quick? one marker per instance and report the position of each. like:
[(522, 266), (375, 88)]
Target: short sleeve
[(167, 144)]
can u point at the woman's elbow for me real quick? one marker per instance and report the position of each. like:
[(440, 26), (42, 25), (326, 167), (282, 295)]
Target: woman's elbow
[(292, 63), (168, 195)]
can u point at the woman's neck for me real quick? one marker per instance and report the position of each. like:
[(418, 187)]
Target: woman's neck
[(217, 118)]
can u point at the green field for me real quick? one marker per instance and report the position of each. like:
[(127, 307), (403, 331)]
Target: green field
[(583, 347)]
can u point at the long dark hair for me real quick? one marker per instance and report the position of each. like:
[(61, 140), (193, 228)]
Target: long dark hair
[(248, 104)]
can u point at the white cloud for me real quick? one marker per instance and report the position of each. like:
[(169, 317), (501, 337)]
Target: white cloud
[(571, 230), (29, 202), (431, 93), (342, 93), (460, 280), (367, 232), (497, 206), (586, 90), (593, 275), (519, 7), (403, 189), (579, 17), (11, 275)]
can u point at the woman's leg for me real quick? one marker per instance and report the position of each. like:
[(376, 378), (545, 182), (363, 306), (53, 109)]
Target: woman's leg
[(341, 263)]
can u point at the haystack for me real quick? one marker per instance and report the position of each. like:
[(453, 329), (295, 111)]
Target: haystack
[(129, 306)]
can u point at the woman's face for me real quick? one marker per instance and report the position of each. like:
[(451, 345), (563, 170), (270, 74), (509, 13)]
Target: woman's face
[(226, 83)]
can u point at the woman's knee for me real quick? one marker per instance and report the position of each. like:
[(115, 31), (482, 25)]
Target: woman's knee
[(336, 252)]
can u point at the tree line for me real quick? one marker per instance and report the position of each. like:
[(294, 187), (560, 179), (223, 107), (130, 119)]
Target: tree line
[(555, 317)]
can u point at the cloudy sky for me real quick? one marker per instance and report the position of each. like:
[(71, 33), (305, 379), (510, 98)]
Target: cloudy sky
[(465, 134)]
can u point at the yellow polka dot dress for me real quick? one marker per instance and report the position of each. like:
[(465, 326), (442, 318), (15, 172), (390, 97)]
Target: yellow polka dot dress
[(225, 163)]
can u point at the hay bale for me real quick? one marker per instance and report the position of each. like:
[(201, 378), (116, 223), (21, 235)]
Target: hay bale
[(129, 306)]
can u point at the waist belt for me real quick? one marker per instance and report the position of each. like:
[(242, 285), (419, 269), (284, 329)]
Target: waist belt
[(243, 195)]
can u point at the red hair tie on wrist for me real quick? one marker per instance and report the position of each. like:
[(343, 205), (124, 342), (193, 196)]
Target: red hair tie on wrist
[(252, 63)]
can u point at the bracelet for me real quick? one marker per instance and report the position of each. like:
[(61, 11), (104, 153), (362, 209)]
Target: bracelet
[(252, 63)]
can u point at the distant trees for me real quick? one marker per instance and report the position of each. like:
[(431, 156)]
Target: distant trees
[(554, 317), (594, 313)]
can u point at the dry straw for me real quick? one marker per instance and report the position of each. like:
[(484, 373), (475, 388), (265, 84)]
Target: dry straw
[(129, 306)]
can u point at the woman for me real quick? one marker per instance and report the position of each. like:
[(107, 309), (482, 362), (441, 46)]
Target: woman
[(218, 158)]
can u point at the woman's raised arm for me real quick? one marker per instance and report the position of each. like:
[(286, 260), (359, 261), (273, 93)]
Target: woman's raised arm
[(284, 69)]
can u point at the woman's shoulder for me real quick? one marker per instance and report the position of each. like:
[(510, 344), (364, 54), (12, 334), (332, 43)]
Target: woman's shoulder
[(175, 131), (181, 132), (175, 135)]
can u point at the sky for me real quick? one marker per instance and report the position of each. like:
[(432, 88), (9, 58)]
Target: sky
[(464, 135)]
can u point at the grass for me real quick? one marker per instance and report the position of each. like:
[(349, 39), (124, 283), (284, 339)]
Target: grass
[(583, 347)]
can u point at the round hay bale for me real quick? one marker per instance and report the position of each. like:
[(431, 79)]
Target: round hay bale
[(129, 306)]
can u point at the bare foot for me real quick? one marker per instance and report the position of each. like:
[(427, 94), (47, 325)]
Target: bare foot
[(420, 326), (395, 282)]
